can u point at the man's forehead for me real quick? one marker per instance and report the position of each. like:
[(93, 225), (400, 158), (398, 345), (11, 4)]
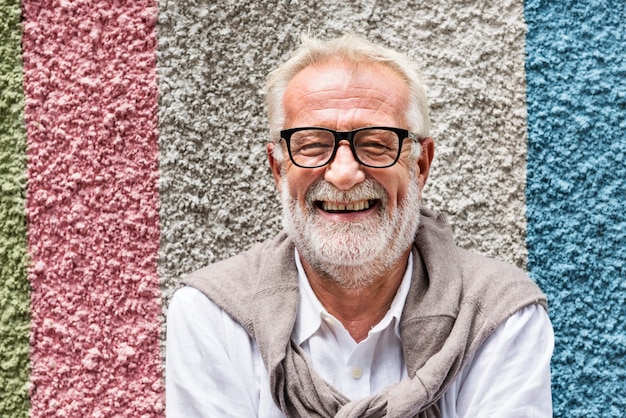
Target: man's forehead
[(331, 79), (338, 93)]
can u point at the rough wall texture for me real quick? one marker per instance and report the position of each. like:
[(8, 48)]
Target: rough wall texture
[(576, 192), (91, 106), (217, 196), (96, 232), (14, 300)]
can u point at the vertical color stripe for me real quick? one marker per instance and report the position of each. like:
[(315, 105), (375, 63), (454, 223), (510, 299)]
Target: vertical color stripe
[(91, 106), (576, 195), (14, 298)]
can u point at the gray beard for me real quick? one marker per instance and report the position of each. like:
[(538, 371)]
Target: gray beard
[(353, 254)]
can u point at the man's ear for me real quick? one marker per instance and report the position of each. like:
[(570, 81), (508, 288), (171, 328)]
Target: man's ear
[(425, 160), (275, 165)]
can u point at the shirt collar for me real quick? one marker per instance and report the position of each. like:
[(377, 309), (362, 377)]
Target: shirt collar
[(311, 310)]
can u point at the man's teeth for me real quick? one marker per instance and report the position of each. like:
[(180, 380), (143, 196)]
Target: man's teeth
[(354, 206)]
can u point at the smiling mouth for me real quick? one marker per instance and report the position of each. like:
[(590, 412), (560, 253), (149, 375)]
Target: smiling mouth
[(338, 207)]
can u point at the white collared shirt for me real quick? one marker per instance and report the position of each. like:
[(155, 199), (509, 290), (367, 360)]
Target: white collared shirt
[(214, 369), (357, 370)]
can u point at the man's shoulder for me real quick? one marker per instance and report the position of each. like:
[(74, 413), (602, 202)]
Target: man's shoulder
[(475, 264), (482, 280), (232, 283), (485, 278), (241, 266)]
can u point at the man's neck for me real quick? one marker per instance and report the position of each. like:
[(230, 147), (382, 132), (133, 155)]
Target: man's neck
[(358, 309)]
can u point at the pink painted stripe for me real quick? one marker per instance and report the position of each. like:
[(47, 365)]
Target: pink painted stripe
[(92, 205)]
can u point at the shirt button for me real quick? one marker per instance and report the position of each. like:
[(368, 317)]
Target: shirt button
[(357, 373)]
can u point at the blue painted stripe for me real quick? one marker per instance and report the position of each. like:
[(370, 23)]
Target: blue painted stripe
[(576, 195)]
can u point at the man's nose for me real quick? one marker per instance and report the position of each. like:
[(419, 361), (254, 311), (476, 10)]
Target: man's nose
[(344, 171)]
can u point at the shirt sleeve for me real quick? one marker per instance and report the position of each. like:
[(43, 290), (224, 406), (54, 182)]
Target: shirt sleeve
[(509, 376), (210, 361)]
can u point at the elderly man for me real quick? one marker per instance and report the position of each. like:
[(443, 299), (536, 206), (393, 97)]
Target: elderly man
[(363, 306)]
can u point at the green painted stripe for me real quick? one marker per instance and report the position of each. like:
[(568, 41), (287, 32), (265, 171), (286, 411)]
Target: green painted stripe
[(14, 289)]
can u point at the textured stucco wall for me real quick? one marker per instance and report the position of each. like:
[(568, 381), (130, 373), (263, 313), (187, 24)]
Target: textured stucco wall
[(576, 195), (14, 300), (92, 205), (99, 242), (217, 196)]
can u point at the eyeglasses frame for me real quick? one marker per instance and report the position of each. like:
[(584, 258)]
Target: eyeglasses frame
[(348, 136)]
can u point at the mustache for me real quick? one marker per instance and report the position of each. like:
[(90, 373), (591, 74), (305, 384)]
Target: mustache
[(366, 190)]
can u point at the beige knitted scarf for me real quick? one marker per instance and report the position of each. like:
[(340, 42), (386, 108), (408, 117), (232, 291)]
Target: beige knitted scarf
[(457, 299)]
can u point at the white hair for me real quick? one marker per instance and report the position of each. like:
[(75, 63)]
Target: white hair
[(355, 50)]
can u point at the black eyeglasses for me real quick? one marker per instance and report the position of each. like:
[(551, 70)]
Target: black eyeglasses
[(375, 146)]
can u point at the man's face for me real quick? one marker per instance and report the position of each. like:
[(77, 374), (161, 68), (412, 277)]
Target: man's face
[(344, 213)]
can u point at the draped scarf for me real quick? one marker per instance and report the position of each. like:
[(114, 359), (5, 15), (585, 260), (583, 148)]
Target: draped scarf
[(456, 300)]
